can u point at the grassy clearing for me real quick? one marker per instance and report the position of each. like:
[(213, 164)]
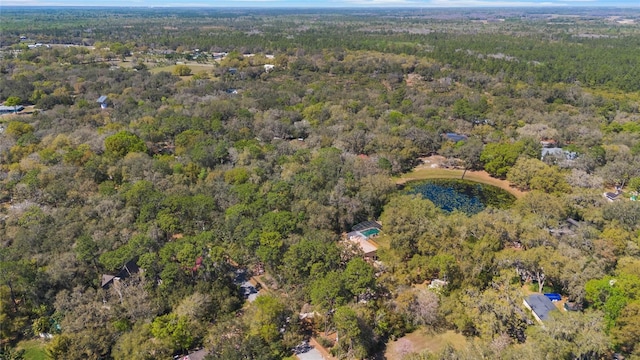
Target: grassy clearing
[(439, 173), (33, 349), (195, 68), (423, 340)]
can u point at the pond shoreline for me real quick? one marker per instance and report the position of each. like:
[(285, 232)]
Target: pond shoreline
[(426, 172)]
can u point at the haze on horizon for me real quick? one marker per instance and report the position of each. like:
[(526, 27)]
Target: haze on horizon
[(328, 3)]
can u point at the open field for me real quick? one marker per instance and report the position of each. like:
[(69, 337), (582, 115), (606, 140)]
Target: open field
[(33, 349), (195, 68), (422, 340)]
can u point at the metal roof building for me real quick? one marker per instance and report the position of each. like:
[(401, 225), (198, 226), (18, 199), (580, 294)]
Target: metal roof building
[(540, 306)]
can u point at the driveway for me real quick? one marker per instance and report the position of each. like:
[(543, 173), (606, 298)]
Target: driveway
[(312, 354)]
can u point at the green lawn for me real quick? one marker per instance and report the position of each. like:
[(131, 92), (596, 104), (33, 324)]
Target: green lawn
[(195, 68), (33, 349)]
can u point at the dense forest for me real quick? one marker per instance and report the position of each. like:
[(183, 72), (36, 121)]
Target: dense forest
[(231, 146)]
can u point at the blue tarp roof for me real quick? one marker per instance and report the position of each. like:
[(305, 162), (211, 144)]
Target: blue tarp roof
[(553, 296), (102, 99)]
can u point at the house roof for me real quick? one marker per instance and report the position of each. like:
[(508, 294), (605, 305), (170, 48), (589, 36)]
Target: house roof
[(106, 280), (455, 137), (127, 270), (559, 152), (362, 242), (102, 99), (197, 355), (540, 305), (612, 195), (131, 267), (552, 151)]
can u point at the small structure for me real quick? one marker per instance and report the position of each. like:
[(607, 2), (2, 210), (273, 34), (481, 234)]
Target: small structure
[(540, 306), (572, 306), (613, 196), (558, 153), (197, 355), (233, 71), (553, 296), (437, 284), (130, 268), (102, 100), (548, 143), (361, 236), (454, 137), (268, 67)]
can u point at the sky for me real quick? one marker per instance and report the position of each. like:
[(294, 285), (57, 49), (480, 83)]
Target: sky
[(327, 3)]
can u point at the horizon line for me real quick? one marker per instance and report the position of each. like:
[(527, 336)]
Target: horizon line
[(345, 7)]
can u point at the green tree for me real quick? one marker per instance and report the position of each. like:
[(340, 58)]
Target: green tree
[(182, 70), (634, 184), (351, 340), (406, 218), (498, 158), (626, 332), (309, 258), (124, 142), (139, 344), (358, 277), (271, 248), (470, 151), (175, 331), (327, 293), (13, 101), (267, 317), (523, 171), (17, 129)]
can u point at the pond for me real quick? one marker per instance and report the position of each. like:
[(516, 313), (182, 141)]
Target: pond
[(462, 195)]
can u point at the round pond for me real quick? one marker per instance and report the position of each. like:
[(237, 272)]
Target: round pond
[(462, 195)]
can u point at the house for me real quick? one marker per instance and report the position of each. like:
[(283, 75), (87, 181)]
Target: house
[(197, 355), (102, 100), (268, 67), (437, 284), (613, 196), (130, 268), (540, 306), (548, 143), (368, 247), (361, 235), (558, 153), (10, 109), (454, 137)]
